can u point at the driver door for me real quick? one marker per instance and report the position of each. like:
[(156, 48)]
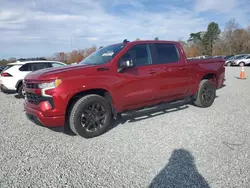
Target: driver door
[(138, 84)]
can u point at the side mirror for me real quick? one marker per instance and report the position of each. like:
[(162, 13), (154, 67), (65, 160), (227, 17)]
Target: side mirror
[(125, 63)]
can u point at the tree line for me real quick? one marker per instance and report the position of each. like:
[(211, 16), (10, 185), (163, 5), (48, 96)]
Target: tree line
[(233, 39), (214, 41), (66, 57)]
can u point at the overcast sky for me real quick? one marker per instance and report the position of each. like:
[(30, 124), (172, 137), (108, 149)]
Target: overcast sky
[(31, 28)]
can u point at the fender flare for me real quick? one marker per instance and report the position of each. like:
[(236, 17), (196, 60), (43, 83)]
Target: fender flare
[(18, 82), (242, 62)]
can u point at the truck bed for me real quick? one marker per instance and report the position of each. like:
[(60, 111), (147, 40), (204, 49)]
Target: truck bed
[(214, 64)]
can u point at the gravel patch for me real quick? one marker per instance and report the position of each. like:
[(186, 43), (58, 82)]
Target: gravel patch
[(189, 147)]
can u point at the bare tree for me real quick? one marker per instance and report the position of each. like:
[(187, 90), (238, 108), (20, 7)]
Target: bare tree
[(61, 56), (241, 41), (230, 27)]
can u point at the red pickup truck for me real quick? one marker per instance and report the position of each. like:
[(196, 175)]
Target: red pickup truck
[(121, 77)]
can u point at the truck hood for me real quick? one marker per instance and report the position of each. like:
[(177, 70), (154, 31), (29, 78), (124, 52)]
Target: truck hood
[(53, 73)]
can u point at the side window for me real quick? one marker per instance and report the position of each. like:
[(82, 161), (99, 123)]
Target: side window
[(166, 53), (248, 57), (139, 54), (24, 67), (56, 65), (38, 66)]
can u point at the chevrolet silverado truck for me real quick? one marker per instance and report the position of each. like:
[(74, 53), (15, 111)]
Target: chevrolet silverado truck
[(88, 97)]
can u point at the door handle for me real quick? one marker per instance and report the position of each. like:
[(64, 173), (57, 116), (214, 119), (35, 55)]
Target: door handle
[(151, 72)]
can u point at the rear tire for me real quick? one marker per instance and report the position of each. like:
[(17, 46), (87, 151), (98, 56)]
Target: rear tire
[(206, 94), (20, 91), (90, 116)]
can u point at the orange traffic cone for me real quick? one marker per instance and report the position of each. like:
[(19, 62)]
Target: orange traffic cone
[(242, 73)]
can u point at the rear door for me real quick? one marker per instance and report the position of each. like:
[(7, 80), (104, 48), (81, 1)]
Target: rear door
[(138, 84), (174, 74), (38, 66)]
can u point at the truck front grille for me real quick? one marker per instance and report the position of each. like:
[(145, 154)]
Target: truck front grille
[(31, 85), (33, 98)]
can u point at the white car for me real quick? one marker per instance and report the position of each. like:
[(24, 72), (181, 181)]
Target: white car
[(232, 61), (244, 61), (11, 78)]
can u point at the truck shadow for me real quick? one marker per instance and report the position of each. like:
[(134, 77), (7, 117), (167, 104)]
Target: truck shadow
[(135, 116), (150, 113), (180, 172), (155, 111)]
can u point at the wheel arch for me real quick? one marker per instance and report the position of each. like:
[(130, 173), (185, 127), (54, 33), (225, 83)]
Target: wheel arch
[(98, 91), (212, 77), (19, 82), (242, 62)]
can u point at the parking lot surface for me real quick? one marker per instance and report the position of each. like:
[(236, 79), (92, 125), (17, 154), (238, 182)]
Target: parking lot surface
[(186, 147)]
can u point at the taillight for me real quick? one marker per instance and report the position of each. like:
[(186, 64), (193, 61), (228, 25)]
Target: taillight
[(5, 74)]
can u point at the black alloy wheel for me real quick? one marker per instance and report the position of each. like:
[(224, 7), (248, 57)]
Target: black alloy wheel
[(206, 94), (93, 117), (90, 116)]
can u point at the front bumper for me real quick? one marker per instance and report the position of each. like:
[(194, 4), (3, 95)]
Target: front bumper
[(37, 114), (45, 110)]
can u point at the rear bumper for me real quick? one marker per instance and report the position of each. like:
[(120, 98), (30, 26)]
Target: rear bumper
[(8, 83), (4, 89), (221, 80), (37, 115), (222, 84)]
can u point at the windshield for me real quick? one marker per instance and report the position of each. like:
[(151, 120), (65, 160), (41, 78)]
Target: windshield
[(103, 55)]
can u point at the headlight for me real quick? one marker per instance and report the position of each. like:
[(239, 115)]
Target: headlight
[(50, 85)]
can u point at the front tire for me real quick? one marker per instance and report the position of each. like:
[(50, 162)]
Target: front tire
[(206, 94), (90, 116)]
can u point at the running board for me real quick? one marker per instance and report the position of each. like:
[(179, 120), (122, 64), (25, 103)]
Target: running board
[(165, 105)]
